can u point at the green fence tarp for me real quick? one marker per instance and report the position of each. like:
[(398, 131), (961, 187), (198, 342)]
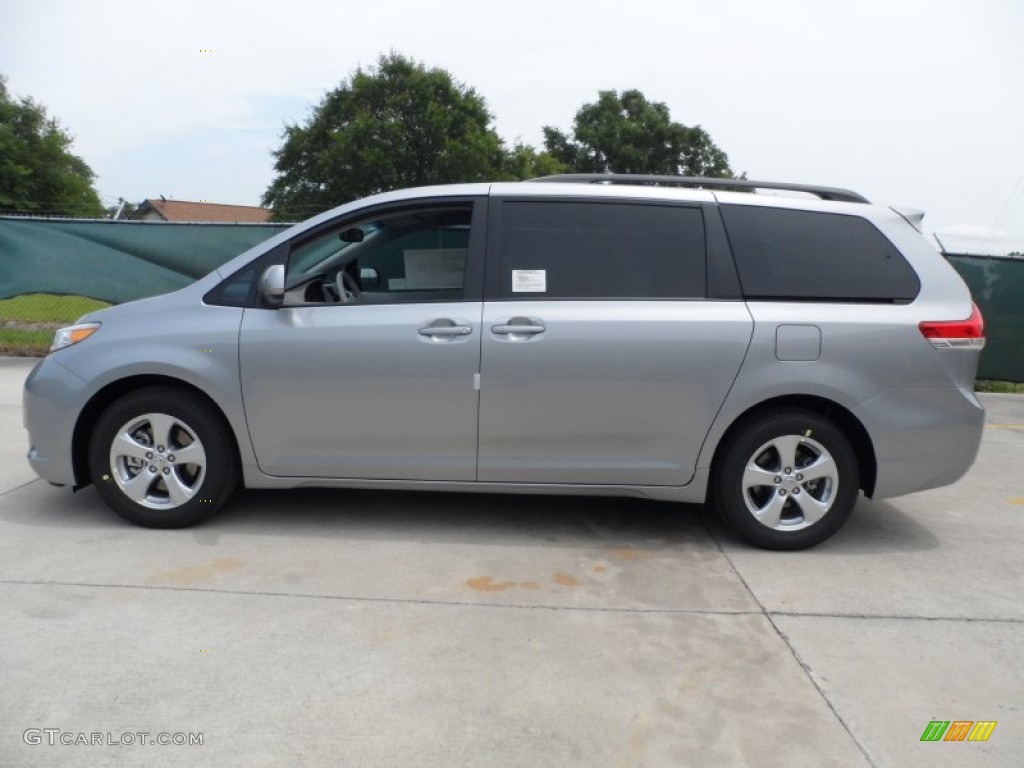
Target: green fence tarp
[(119, 261), (116, 261), (997, 285)]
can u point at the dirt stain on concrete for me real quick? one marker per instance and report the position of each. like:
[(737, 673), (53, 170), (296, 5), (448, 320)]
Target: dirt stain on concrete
[(197, 574), (566, 580), (630, 554), (488, 584), (600, 568)]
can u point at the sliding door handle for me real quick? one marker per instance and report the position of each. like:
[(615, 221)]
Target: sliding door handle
[(505, 329)]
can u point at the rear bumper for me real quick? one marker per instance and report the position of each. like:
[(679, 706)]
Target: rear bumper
[(923, 438)]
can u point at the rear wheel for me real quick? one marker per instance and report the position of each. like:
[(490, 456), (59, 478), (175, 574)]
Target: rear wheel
[(787, 480), (162, 458)]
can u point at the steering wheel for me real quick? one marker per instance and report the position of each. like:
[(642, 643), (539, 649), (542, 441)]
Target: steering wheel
[(342, 290), (346, 287)]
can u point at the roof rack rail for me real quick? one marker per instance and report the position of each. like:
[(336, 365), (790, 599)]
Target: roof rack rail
[(825, 193)]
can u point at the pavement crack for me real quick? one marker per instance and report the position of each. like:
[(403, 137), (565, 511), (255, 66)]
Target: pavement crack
[(389, 600), (896, 617), (785, 639), (18, 487)]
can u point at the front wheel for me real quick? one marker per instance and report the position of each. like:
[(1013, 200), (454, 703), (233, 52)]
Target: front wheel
[(787, 480), (162, 458)]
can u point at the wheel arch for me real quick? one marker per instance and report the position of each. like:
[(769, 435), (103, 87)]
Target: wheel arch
[(842, 417), (112, 392)]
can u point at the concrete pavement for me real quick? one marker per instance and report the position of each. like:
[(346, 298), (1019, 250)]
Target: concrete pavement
[(321, 627)]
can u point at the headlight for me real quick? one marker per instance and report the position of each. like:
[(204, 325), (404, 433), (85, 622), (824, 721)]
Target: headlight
[(72, 334)]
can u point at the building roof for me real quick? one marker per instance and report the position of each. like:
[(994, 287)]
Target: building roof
[(186, 210)]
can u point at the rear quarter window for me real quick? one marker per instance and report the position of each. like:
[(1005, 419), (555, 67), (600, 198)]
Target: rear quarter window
[(784, 254)]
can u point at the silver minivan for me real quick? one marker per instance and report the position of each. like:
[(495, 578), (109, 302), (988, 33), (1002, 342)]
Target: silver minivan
[(688, 340)]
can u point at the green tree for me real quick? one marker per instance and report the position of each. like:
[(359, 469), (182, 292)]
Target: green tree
[(628, 134), (524, 162), (397, 124), (38, 173)]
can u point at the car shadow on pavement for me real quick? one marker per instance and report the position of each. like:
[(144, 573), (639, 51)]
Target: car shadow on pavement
[(461, 517), (875, 527), (383, 515)]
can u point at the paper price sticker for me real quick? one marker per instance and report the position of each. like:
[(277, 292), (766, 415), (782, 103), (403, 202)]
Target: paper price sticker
[(529, 281)]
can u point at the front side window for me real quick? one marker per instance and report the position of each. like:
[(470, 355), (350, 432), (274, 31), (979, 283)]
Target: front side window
[(411, 255), (574, 250)]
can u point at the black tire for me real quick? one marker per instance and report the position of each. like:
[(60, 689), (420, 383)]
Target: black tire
[(775, 509), (170, 491)]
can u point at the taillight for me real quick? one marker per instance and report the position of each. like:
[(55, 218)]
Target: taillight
[(946, 334)]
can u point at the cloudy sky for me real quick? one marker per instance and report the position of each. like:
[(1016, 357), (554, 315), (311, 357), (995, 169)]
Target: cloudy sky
[(910, 102)]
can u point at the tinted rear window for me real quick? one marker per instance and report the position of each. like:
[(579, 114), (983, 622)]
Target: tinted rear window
[(567, 250), (805, 255)]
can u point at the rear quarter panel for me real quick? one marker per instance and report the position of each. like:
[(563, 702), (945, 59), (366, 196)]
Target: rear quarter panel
[(916, 403)]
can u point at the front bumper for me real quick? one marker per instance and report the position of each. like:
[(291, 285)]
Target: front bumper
[(51, 401)]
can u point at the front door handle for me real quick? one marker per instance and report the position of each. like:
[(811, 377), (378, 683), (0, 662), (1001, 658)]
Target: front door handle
[(445, 331)]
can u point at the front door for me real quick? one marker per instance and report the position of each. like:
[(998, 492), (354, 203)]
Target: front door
[(367, 371)]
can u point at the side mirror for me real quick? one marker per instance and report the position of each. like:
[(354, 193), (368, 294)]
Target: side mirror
[(369, 278), (272, 286), (351, 235)]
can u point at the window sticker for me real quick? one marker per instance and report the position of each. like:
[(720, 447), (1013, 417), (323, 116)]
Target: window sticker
[(434, 269), (529, 281)]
